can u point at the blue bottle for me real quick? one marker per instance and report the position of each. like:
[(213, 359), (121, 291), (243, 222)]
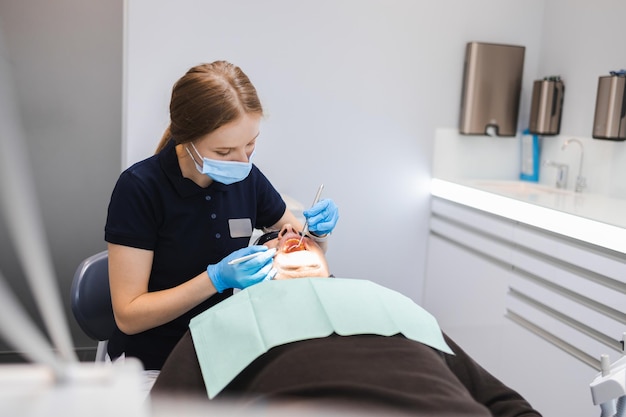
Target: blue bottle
[(529, 157)]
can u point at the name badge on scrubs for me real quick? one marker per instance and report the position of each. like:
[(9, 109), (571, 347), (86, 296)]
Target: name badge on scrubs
[(240, 227)]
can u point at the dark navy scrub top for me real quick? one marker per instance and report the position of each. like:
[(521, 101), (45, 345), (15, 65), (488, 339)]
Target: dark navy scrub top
[(188, 227)]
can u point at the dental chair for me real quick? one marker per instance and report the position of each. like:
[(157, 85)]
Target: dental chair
[(91, 301)]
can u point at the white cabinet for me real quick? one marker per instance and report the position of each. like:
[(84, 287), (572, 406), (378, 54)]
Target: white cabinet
[(534, 308), (466, 293)]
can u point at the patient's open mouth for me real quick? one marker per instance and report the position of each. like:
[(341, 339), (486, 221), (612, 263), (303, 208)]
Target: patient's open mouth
[(293, 245)]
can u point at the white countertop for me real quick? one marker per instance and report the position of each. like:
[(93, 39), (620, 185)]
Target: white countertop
[(591, 218)]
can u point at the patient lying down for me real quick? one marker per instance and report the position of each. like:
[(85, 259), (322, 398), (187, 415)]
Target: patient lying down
[(364, 371)]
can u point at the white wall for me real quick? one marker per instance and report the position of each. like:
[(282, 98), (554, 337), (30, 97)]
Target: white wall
[(354, 91)]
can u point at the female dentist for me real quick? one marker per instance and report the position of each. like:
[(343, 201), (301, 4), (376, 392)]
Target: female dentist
[(176, 219)]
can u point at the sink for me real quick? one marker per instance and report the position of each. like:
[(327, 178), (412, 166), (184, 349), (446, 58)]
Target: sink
[(517, 187), (594, 218)]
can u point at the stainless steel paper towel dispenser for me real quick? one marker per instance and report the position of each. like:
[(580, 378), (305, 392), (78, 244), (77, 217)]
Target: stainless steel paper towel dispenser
[(492, 84), (546, 106), (609, 121)]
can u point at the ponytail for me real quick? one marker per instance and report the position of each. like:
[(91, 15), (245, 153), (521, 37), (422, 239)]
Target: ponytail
[(165, 139)]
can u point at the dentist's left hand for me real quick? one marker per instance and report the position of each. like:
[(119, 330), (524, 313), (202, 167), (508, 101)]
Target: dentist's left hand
[(244, 274), (322, 217)]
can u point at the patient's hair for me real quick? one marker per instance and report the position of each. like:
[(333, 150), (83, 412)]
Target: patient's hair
[(206, 98)]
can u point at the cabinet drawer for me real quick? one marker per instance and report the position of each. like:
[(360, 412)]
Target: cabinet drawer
[(600, 261), (471, 239), (582, 282), (485, 223), (593, 321), (562, 335)]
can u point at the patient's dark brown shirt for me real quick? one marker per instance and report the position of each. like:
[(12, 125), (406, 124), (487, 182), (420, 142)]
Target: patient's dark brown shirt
[(363, 373)]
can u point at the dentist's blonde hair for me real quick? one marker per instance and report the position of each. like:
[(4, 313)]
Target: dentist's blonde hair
[(206, 98)]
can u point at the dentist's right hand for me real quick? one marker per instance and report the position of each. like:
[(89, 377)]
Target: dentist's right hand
[(244, 274)]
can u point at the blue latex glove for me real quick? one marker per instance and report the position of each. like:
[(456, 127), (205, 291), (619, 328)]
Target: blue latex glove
[(244, 274), (322, 217)]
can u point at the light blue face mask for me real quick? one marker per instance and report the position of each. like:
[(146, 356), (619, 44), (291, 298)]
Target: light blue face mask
[(226, 172)]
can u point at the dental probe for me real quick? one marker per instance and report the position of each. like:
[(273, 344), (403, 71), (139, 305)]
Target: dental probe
[(306, 222), (245, 258)]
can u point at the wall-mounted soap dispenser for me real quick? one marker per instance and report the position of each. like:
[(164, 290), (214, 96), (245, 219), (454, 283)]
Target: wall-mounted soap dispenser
[(492, 84), (610, 118), (546, 107)]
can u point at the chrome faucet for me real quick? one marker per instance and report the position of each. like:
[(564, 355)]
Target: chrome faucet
[(581, 182), (562, 171)]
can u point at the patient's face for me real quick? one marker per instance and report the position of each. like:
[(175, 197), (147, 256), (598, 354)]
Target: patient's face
[(293, 261)]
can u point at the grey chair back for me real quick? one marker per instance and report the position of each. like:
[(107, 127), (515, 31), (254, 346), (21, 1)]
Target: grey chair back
[(91, 301)]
